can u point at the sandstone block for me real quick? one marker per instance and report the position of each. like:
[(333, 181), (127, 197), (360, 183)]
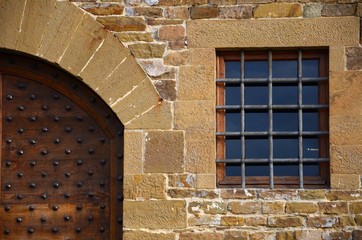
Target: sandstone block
[(245, 33), (282, 222), (200, 156), (196, 83), (311, 194), (333, 207), (214, 207), (182, 180), (236, 235), (144, 186), (312, 10), (133, 152), (345, 130), (163, 22), (236, 12), (345, 181), (244, 207), (354, 58), (177, 13), (108, 57), (273, 207), (103, 8), (166, 89), (177, 58), (232, 221), (238, 194), (147, 50), (355, 207), (137, 102), (137, 235), (181, 2), (61, 27), (278, 10), (85, 41), (134, 37), (308, 234), (10, 18), (346, 221), (256, 221), (322, 222), (358, 219), (285, 235), (336, 59), (206, 181), (171, 33), (119, 24), (261, 235), (223, 2), (204, 220), (357, 234), (301, 207), (201, 12), (200, 236), (337, 235), (194, 208), (158, 117), (188, 193), (166, 214), (148, 12), (164, 152), (35, 19), (344, 195), (154, 67), (278, 194), (202, 56), (346, 159), (335, 10)]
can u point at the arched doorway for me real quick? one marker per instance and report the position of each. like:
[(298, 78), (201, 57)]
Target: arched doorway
[(61, 158)]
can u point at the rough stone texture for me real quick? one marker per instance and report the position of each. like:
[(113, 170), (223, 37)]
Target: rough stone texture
[(355, 207), (144, 186), (200, 236), (238, 194), (196, 83), (244, 207), (322, 222), (148, 12), (236, 235), (103, 8), (333, 207), (142, 50), (345, 181), (164, 152), (167, 214), (232, 221), (182, 180), (11, 14), (281, 222), (206, 181), (301, 207), (344, 195), (345, 130), (256, 221), (308, 234), (154, 67), (273, 207), (262, 235), (166, 89), (354, 58), (119, 24), (336, 59), (61, 27), (222, 33), (278, 10), (163, 22), (202, 56), (85, 41), (346, 221), (204, 220), (171, 33), (188, 193), (137, 235), (177, 13), (346, 159), (334, 10), (311, 194), (177, 58), (133, 37), (202, 12), (199, 156), (278, 194), (133, 162), (223, 2), (312, 10), (158, 117), (236, 12), (35, 19)]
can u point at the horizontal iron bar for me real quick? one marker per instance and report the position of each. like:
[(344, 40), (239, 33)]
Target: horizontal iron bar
[(274, 80), (281, 107), (274, 133), (275, 160)]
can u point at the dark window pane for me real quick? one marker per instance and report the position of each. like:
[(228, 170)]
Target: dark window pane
[(310, 68), (310, 121), (233, 96), (256, 121), (286, 169), (233, 169), (311, 169), (310, 147), (310, 94), (285, 121), (232, 70), (285, 94), (285, 148), (256, 69), (256, 148), (285, 69), (256, 95), (255, 169), (233, 122), (233, 148)]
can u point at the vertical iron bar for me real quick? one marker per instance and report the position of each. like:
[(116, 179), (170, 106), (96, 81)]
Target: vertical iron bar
[(270, 111), (300, 120), (242, 66)]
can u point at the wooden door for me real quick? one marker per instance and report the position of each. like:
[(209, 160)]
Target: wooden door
[(61, 158)]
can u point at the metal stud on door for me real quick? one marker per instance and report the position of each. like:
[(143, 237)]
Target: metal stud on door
[(62, 156)]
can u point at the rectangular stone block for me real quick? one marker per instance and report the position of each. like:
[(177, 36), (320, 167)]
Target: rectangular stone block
[(201, 236), (200, 157), (232, 221), (244, 207), (133, 152), (238, 194), (164, 152), (333, 207), (11, 13), (322, 222), (250, 33), (144, 186), (162, 214), (345, 130), (278, 10), (311, 194), (345, 181), (346, 159), (235, 234), (85, 41), (204, 220), (121, 23), (35, 19), (137, 235), (344, 195), (355, 207), (273, 207), (182, 180), (61, 27), (336, 58), (206, 181), (256, 221), (301, 207), (282, 222), (203, 56)]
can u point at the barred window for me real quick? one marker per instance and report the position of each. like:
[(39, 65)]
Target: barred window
[(272, 119)]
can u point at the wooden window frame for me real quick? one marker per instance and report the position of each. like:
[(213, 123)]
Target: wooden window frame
[(321, 181)]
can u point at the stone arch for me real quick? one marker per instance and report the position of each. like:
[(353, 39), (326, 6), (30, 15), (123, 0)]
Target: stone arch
[(61, 33)]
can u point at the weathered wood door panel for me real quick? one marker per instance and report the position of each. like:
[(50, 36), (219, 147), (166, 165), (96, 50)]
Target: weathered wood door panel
[(62, 156)]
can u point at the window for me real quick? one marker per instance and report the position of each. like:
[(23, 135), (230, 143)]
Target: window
[(272, 119)]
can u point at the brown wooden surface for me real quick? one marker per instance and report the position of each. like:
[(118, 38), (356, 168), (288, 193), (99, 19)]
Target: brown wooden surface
[(62, 156)]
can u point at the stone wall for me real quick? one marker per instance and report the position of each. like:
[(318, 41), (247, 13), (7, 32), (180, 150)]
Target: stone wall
[(168, 105)]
